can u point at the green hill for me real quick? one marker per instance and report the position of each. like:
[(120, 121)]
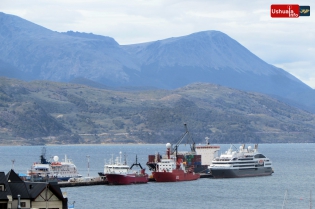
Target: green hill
[(42, 112)]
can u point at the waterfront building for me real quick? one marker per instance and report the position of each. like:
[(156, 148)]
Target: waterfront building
[(15, 193)]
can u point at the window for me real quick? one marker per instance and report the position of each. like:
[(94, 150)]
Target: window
[(2, 188), (3, 206), (23, 204), (259, 156)]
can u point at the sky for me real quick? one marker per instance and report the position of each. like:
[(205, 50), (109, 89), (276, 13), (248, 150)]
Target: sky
[(288, 43)]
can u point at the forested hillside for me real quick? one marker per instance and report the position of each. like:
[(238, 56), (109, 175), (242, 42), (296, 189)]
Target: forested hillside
[(42, 112)]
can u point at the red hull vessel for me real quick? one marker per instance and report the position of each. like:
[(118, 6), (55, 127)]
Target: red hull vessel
[(171, 169), (175, 175), (121, 174), (181, 165), (125, 179)]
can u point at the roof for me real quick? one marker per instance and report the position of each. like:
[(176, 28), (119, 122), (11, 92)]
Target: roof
[(55, 188), (3, 181), (16, 185), (27, 190), (13, 177), (19, 188), (35, 188)]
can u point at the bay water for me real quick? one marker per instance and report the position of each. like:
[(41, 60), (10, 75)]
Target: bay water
[(293, 164)]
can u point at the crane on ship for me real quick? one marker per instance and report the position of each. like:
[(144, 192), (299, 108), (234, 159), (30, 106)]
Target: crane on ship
[(173, 149), (186, 134)]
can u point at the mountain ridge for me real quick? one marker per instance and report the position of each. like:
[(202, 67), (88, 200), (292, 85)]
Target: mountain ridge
[(208, 56), (46, 54)]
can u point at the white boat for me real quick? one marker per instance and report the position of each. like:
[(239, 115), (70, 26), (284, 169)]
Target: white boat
[(60, 170), (115, 166), (241, 163), (118, 172)]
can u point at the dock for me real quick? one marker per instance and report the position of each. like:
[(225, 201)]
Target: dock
[(77, 184), (104, 182), (202, 175)]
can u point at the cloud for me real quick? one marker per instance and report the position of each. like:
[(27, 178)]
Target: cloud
[(303, 70)]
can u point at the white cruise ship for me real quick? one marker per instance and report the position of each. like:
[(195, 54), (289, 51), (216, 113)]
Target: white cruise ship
[(244, 162), (60, 170)]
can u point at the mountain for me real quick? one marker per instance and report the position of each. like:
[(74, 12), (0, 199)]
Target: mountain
[(48, 55), (214, 57), (31, 52), (42, 112)]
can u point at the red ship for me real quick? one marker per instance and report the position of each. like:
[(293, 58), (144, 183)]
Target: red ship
[(173, 169), (129, 176), (125, 179)]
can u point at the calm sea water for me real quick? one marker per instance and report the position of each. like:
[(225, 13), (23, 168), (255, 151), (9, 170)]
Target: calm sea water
[(293, 165)]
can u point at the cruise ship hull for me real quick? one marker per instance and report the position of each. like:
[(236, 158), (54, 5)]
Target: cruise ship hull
[(175, 175), (237, 173), (125, 179)]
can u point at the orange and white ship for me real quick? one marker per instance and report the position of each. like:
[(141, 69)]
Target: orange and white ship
[(60, 170)]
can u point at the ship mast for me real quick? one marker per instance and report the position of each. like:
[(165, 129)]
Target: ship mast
[(192, 146), (285, 199), (311, 199)]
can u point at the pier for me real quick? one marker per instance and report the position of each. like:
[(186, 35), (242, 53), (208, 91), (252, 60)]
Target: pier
[(104, 182), (77, 184)]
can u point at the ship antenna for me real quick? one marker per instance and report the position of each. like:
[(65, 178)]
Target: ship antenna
[(311, 199), (43, 159), (285, 199), (125, 160), (13, 164), (207, 140)]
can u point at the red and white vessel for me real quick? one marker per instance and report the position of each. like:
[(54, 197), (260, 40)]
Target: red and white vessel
[(119, 173), (185, 164), (172, 169)]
